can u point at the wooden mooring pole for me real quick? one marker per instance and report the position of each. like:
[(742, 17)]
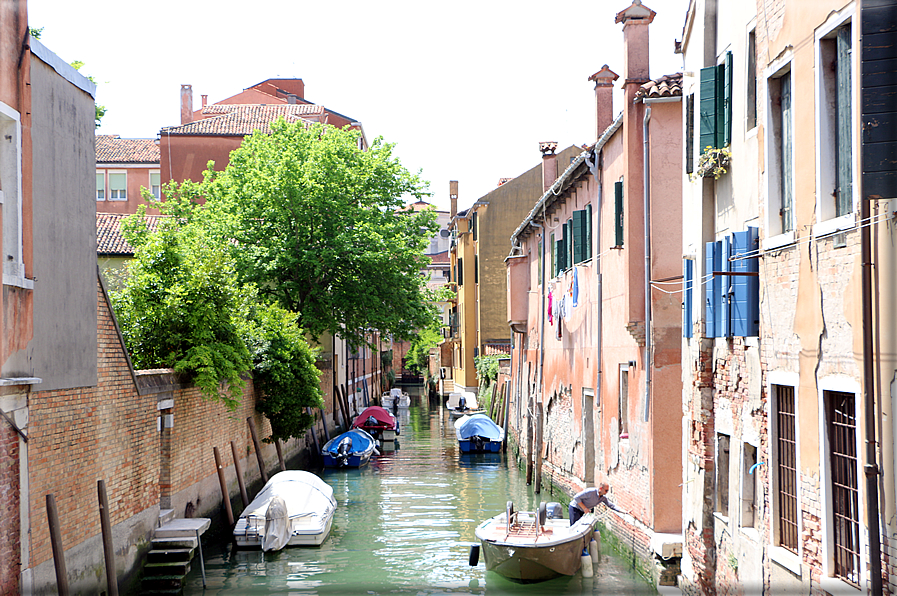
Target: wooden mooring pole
[(537, 487), (239, 469), (258, 449), (283, 464), (223, 484), (108, 551), (62, 580)]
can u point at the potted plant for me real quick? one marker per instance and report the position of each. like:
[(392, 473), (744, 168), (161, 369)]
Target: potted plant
[(713, 162)]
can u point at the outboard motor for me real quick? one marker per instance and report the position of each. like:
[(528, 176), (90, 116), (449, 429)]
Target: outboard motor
[(462, 403), (554, 511), (371, 421), (343, 451), (478, 442)]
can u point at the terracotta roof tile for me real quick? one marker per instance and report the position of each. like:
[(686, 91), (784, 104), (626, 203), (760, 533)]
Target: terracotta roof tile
[(440, 258), (665, 86), (114, 149), (110, 242), (243, 119)]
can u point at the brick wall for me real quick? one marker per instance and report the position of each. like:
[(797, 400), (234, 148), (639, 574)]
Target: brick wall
[(9, 510)]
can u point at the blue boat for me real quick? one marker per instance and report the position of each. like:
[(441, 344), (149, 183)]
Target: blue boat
[(478, 434), (352, 449)]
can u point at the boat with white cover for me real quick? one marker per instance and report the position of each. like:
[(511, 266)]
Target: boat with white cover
[(294, 508), (533, 547)]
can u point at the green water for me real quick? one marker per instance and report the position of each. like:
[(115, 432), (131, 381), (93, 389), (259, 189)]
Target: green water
[(404, 525)]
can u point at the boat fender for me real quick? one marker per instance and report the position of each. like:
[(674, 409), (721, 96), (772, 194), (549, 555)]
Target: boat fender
[(474, 555), (593, 550), (376, 451), (543, 514), (586, 560)]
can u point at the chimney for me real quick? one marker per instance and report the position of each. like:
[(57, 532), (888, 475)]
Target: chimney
[(205, 100), (635, 21), (186, 104), (549, 164), (453, 196), (604, 99), (291, 98)]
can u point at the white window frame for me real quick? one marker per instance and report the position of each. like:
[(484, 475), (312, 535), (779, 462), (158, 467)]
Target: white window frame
[(776, 236), (109, 174), (780, 554), (828, 582), (11, 197), (157, 194), (105, 194), (826, 222)]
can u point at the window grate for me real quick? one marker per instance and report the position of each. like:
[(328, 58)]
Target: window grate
[(845, 484), (786, 468)]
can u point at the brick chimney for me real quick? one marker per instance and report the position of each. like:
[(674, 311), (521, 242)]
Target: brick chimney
[(453, 196), (635, 21), (205, 100), (186, 104), (549, 164), (604, 99)]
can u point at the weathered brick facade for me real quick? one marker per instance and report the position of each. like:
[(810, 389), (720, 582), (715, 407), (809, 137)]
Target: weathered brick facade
[(9, 510)]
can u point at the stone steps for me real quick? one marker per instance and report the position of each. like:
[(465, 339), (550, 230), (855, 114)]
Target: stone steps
[(173, 547)]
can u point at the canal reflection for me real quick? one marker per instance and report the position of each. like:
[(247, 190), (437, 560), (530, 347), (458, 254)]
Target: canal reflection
[(404, 525)]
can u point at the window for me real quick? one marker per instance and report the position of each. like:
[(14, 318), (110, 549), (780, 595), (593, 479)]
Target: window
[(722, 474), (835, 156), (473, 225), (690, 133), (716, 104), (476, 269), (11, 197), (732, 291), (553, 264), (688, 294), (156, 186), (748, 486), (785, 468), (751, 82), (118, 186), (568, 235), (539, 273), (618, 214), (841, 426), (781, 155), (460, 272), (561, 251), (623, 402), (582, 234), (101, 186)]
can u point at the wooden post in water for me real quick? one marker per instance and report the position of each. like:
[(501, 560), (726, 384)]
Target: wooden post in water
[(239, 469), (223, 484), (106, 529), (342, 407), (529, 441), (314, 433), (324, 424), (345, 394), (258, 449), (279, 447), (504, 423), (62, 580), (537, 488)]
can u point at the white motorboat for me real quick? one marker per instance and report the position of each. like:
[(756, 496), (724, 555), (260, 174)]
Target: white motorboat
[(295, 508), (395, 398), (533, 547)]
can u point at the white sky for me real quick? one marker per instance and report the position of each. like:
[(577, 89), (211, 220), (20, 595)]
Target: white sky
[(465, 89)]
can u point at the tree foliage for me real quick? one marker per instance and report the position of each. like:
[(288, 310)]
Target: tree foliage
[(417, 358), (487, 369), (318, 224)]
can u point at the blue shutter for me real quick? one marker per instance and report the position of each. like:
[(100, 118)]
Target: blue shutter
[(711, 281), (746, 295), (687, 303), (724, 251)]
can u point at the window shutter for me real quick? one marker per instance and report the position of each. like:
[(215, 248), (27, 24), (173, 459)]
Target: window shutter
[(474, 225), (560, 256), (460, 272), (587, 232), (618, 213), (553, 265), (690, 134), (687, 303), (843, 146), (725, 131), (578, 236), (707, 108), (746, 294), (787, 163), (476, 269), (724, 289), (711, 281), (570, 260)]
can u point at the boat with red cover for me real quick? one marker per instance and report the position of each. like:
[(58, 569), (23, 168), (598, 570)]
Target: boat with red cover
[(378, 422)]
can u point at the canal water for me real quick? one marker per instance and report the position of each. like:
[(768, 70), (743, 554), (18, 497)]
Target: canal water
[(404, 525)]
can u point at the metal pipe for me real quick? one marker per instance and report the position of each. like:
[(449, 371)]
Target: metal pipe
[(258, 449), (62, 580), (646, 172), (106, 530), (871, 468), (239, 469)]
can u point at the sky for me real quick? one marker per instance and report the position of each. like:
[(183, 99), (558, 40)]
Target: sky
[(465, 90)]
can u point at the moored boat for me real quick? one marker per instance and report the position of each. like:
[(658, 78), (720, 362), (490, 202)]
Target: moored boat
[(377, 422), (395, 398), (478, 434), (533, 547), (294, 508), (352, 449)]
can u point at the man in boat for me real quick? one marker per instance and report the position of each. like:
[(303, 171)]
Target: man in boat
[(585, 500)]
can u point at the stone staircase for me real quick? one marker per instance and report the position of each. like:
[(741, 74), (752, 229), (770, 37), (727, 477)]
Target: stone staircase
[(173, 547)]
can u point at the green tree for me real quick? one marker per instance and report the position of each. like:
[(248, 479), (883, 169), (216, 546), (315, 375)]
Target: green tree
[(418, 356), (319, 225), (180, 302)]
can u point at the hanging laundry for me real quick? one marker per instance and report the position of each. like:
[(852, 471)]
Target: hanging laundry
[(550, 311), (574, 291)]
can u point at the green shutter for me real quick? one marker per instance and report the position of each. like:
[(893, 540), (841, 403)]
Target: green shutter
[(578, 239), (460, 272), (560, 252), (618, 214), (570, 259), (690, 134), (587, 232), (707, 108), (553, 265), (726, 130), (843, 145)]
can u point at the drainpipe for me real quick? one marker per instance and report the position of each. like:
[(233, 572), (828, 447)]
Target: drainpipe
[(871, 468), (597, 170), (649, 356), (530, 426)]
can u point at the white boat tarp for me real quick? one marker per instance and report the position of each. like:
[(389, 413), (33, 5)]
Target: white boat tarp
[(478, 425), (277, 525)]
